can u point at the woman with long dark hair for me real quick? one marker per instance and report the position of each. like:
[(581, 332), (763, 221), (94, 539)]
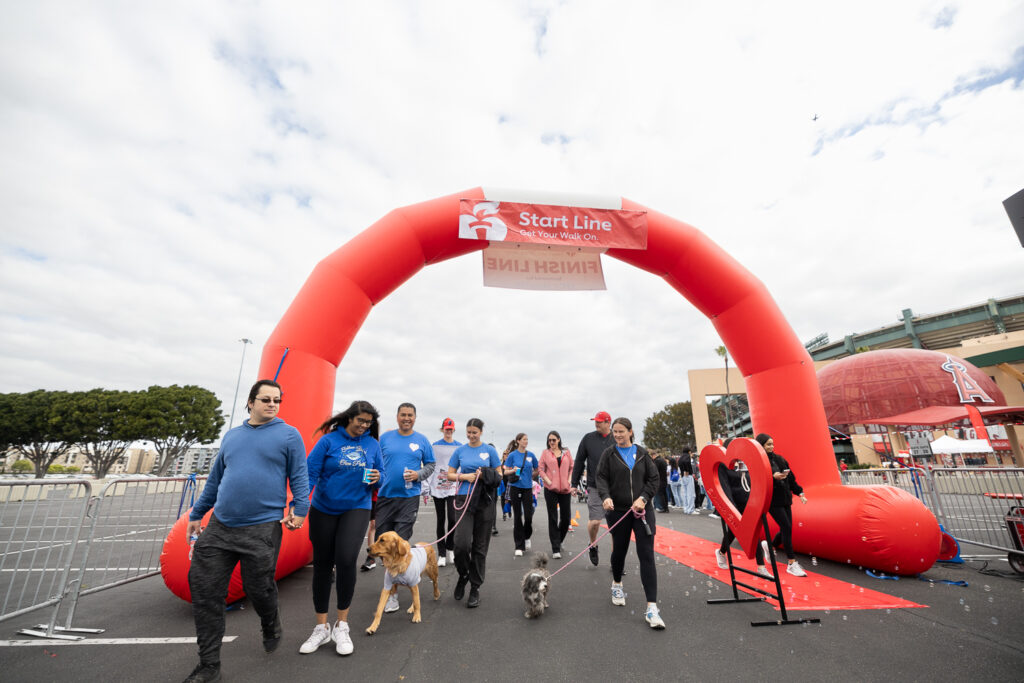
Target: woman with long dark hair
[(344, 468), (627, 479), (555, 471), (521, 466), (470, 462), (784, 485)]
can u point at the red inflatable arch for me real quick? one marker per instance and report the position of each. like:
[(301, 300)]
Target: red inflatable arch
[(878, 527)]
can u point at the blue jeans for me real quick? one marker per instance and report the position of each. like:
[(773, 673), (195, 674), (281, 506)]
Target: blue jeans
[(708, 505), (689, 494)]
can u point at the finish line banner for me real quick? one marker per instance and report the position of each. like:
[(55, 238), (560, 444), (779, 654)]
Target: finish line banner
[(542, 268), (575, 226)]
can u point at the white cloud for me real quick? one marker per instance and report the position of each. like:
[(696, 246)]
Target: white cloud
[(172, 174)]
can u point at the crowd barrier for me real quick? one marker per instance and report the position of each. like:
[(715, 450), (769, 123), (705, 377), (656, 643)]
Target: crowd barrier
[(61, 543), (980, 506)]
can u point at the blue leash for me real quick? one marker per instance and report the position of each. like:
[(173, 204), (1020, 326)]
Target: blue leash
[(190, 487)]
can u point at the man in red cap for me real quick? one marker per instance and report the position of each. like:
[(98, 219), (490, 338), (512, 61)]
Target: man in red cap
[(588, 455)]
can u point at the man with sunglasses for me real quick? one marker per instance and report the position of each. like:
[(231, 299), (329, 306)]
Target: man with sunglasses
[(248, 492)]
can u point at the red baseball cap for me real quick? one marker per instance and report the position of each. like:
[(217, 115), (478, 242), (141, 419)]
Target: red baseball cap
[(448, 423), (602, 417)]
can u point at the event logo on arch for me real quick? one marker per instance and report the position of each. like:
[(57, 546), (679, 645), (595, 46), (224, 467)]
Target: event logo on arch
[(576, 226)]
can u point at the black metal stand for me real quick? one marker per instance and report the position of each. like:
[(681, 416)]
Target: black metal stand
[(777, 595)]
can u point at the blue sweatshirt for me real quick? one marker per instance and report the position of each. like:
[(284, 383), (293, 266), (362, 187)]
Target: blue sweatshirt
[(400, 453), (336, 466), (528, 462), (247, 480)]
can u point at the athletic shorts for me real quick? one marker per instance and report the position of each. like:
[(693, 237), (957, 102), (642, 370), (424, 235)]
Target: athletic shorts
[(595, 508)]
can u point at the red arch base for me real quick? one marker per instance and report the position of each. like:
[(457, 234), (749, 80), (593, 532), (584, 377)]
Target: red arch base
[(876, 527)]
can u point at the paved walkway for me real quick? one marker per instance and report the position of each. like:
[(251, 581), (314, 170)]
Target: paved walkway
[(975, 632)]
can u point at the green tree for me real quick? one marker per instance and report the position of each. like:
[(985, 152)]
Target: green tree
[(21, 466), (176, 418), (672, 427), (108, 421), (35, 425)]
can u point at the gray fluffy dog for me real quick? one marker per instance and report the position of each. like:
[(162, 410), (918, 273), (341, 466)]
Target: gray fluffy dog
[(535, 586)]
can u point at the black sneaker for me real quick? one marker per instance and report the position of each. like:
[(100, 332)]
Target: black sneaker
[(272, 634), (369, 564), (593, 555), (460, 588), (204, 673), (474, 598)]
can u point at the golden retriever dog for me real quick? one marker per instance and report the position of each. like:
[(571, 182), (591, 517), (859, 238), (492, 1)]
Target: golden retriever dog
[(403, 566)]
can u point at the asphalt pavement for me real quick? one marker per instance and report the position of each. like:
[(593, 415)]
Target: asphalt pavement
[(974, 631)]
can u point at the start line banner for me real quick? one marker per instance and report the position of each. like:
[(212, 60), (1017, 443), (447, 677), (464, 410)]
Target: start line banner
[(575, 226)]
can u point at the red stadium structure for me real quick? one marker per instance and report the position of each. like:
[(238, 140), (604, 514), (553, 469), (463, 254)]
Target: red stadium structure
[(878, 527)]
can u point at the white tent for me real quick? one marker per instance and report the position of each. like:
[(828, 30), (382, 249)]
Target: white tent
[(949, 446)]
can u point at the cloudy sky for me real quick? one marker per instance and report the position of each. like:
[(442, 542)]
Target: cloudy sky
[(171, 176)]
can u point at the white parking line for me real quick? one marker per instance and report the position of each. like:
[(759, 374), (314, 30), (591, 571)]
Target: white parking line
[(106, 641)]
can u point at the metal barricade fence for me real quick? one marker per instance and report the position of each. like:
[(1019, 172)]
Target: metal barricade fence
[(976, 502), (117, 539), (41, 522), (972, 504)]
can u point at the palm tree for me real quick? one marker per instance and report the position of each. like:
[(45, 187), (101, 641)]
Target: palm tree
[(724, 353)]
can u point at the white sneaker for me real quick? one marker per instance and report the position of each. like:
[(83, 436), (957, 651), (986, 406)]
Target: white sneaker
[(764, 549), (618, 595), (694, 512), (556, 556), (321, 635), (795, 569), (763, 571), (440, 561), (653, 617), (721, 559), (343, 642), (451, 556), (527, 544), (392, 605), (714, 516), (518, 553)]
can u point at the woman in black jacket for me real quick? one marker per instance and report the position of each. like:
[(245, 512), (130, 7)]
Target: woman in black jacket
[(627, 479), (781, 509)]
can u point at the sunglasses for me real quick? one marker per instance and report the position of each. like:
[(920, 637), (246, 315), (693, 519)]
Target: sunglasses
[(552, 440), (267, 399)]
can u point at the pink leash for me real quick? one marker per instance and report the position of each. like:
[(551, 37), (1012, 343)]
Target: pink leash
[(639, 515), (464, 508)]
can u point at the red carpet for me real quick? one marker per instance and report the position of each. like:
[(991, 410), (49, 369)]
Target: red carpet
[(813, 592)]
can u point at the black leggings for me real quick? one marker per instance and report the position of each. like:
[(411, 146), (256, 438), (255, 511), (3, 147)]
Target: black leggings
[(783, 516), (443, 508), (337, 540), (558, 518), (522, 515), (644, 548)]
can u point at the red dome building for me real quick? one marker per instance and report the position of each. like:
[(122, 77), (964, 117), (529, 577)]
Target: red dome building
[(889, 383)]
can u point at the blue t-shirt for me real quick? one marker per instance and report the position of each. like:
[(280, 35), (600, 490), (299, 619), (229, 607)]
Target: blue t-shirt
[(247, 482), (442, 442), (528, 461), (467, 459), (336, 466), (402, 453), (628, 454)]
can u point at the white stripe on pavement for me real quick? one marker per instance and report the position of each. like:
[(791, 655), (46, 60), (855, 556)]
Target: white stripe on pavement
[(106, 641)]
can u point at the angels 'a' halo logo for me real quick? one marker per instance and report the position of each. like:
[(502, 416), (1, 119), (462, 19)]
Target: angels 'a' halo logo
[(483, 223)]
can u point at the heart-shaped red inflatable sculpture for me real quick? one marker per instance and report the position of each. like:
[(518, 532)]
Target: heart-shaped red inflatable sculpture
[(745, 525)]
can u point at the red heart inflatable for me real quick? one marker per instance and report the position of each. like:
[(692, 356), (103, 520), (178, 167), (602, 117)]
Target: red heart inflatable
[(746, 525)]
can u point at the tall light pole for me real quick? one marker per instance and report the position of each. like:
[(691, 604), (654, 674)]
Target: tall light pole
[(245, 342)]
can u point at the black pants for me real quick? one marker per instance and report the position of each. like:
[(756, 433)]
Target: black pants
[(336, 543), (214, 557), (396, 514), (444, 510), (558, 518), (472, 539), (644, 548), (522, 515), (783, 516)]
